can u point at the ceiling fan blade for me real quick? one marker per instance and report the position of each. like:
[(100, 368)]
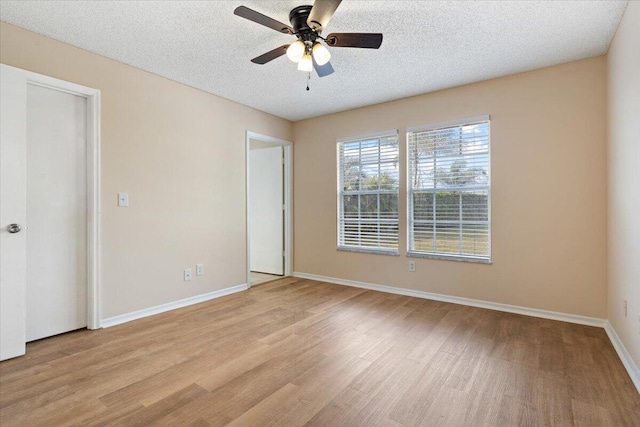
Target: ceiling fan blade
[(261, 19), (271, 55), (362, 40), (323, 70), (321, 13)]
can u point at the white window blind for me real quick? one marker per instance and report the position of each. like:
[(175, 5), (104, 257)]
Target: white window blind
[(449, 190), (368, 193)]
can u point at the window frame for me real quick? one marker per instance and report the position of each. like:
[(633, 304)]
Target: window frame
[(410, 192), (340, 193)]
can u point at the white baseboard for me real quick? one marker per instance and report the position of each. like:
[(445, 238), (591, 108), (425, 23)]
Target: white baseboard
[(545, 314), (127, 317), (624, 355)]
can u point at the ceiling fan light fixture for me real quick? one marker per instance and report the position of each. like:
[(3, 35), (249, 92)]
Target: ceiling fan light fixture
[(310, 50), (295, 51), (321, 53), (306, 63)]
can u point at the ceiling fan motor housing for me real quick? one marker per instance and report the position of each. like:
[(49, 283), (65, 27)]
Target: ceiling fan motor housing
[(298, 18)]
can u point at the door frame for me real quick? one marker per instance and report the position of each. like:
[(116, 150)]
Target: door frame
[(94, 306), (288, 198)]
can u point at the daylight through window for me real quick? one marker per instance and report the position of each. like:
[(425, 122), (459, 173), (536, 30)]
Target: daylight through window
[(449, 190), (368, 193)]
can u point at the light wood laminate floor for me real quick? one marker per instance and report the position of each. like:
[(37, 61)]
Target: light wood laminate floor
[(294, 352), (258, 278)]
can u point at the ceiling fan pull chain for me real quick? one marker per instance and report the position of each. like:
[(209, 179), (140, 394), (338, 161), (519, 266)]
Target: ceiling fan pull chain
[(308, 78)]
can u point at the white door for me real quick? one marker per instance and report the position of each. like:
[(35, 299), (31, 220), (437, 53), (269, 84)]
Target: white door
[(13, 158), (43, 211), (56, 212), (266, 214)]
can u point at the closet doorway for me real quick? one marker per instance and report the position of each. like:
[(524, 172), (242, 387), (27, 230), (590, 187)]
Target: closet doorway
[(268, 208)]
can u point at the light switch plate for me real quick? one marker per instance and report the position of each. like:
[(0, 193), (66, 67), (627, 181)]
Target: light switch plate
[(123, 200), (187, 274), (199, 269)]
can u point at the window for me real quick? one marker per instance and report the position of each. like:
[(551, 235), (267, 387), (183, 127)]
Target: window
[(368, 193), (449, 190)]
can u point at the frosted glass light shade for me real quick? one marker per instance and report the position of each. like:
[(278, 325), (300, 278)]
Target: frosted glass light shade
[(305, 63), (295, 51), (321, 54)]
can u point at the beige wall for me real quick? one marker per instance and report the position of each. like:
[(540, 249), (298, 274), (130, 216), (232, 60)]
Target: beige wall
[(548, 145), (179, 153), (624, 180)]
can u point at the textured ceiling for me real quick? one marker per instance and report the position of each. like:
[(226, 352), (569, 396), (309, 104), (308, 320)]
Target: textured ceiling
[(428, 45)]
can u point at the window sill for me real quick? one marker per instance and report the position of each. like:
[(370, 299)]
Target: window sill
[(369, 251), (450, 257)]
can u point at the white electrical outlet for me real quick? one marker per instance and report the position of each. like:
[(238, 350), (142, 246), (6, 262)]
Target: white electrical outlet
[(187, 274), (625, 308), (199, 269), (412, 266)]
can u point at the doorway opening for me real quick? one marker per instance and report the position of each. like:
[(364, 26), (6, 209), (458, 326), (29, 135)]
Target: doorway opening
[(268, 163)]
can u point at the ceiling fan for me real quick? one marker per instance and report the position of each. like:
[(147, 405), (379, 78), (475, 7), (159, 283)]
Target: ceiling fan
[(307, 22)]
